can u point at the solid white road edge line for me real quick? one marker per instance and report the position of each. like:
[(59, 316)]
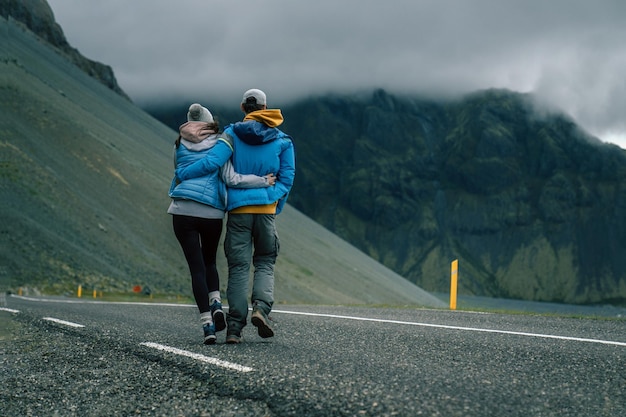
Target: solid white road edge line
[(197, 356), (440, 326), (65, 301), (67, 323), (10, 310), (444, 326)]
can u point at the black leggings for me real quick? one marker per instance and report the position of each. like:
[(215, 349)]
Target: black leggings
[(199, 239)]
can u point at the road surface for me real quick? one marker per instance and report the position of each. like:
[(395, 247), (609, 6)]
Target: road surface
[(71, 357)]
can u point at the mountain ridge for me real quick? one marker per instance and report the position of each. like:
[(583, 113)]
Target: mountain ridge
[(38, 17)]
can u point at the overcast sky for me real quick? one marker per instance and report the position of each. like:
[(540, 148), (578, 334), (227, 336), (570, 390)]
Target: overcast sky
[(570, 53)]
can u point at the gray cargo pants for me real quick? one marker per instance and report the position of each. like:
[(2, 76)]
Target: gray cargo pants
[(245, 233)]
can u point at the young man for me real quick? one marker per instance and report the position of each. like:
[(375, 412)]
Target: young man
[(257, 147)]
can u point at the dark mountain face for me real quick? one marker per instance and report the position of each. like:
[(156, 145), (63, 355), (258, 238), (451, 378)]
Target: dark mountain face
[(531, 206)]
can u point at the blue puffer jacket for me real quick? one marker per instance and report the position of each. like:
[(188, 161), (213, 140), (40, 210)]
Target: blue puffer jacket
[(207, 189), (256, 149)]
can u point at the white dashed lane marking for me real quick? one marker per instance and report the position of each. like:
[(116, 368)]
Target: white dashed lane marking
[(198, 357), (65, 323)]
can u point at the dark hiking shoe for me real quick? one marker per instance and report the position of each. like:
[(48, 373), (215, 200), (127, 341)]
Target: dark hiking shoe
[(209, 334), (262, 323), (219, 318), (233, 338)]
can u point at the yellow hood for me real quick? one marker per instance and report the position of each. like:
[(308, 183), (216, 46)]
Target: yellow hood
[(269, 117)]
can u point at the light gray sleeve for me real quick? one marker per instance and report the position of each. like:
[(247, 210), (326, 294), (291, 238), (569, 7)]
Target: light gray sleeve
[(235, 180)]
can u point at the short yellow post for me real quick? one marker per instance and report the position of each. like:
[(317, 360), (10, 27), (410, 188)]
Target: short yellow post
[(19, 291), (454, 276), (95, 293), (79, 293)]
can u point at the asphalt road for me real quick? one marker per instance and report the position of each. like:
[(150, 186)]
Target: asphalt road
[(130, 359)]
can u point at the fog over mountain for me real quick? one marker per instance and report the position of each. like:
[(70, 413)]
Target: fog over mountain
[(569, 53)]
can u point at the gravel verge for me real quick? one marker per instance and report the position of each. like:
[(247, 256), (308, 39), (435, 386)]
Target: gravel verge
[(49, 371)]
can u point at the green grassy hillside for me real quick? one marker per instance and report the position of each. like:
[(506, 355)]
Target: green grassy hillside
[(84, 175)]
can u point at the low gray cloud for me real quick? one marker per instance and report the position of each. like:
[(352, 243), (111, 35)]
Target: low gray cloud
[(570, 53)]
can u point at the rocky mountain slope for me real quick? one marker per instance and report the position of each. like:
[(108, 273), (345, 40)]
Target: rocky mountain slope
[(84, 176), (533, 207), (37, 16)]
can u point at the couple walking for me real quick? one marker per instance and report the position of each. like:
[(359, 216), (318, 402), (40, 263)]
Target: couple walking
[(247, 171)]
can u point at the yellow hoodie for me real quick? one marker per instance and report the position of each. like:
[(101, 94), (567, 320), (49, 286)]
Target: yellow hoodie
[(269, 117)]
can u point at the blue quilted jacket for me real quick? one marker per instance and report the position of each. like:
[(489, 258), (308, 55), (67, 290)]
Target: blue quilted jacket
[(207, 188), (255, 149)]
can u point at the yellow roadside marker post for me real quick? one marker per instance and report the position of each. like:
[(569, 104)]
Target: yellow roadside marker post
[(79, 293), (454, 276)]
